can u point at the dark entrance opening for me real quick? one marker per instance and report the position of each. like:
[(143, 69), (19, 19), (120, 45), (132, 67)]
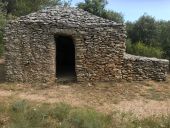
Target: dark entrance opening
[(65, 58)]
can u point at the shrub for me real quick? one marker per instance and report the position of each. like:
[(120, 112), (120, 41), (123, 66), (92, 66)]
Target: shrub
[(142, 50), (1, 50), (17, 112), (86, 118), (24, 115), (1, 44), (2, 25), (61, 111)]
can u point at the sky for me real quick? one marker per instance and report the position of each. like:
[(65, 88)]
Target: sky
[(133, 9)]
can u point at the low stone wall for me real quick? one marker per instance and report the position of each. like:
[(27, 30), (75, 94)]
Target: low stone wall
[(136, 68)]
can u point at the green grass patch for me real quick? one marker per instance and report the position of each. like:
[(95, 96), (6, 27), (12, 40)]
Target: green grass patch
[(22, 114)]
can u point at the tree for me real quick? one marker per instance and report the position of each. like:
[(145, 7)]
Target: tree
[(67, 3), (2, 24), (97, 7), (129, 28), (23, 7), (144, 30), (2, 15), (111, 15), (165, 38)]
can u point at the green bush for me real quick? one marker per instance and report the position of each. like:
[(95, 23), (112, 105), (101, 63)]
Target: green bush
[(86, 118), (61, 111), (1, 45), (142, 50), (1, 49), (2, 25), (17, 112)]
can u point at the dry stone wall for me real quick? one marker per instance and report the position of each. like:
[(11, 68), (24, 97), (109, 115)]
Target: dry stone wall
[(139, 68), (99, 48)]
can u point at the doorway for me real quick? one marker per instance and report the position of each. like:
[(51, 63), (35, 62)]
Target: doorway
[(65, 58)]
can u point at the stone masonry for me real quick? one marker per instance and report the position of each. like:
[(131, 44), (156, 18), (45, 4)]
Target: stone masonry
[(140, 68), (99, 48)]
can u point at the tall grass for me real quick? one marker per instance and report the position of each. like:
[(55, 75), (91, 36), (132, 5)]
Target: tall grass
[(24, 115), (21, 114)]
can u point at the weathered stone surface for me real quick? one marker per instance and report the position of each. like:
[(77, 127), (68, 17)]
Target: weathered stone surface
[(99, 47), (141, 68)]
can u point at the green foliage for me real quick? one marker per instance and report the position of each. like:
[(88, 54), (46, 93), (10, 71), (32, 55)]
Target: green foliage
[(16, 112), (1, 44), (97, 7), (22, 114), (66, 3), (144, 30), (164, 37), (19, 106), (141, 49), (114, 16), (2, 25), (152, 33), (61, 111), (86, 118), (23, 7)]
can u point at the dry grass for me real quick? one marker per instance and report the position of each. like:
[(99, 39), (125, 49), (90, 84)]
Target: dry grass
[(141, 98)]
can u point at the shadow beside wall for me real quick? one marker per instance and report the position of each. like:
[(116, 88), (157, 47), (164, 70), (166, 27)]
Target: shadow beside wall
[(2, 71)]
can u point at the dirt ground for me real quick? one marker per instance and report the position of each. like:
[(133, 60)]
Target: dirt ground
[(143, 99)]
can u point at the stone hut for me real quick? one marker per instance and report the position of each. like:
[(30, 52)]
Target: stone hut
[(61, 43)]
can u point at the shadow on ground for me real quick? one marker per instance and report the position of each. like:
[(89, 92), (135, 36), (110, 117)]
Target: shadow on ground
[(2, 71)]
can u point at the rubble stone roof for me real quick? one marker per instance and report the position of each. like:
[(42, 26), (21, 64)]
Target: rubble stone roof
[(67, 15)]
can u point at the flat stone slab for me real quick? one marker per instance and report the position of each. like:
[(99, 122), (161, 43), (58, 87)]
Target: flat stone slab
[(133, 57)]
